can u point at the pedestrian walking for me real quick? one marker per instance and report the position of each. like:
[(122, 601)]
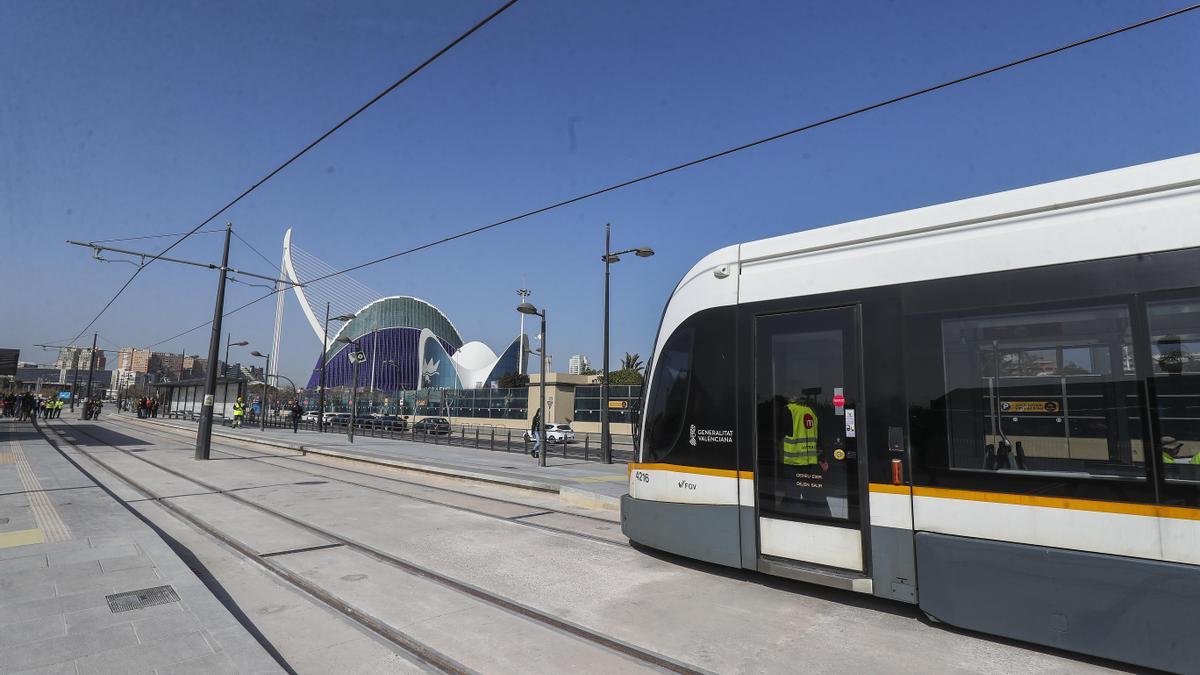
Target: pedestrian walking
[(58, 406), (154, 408), (297, 411), (536, 430)]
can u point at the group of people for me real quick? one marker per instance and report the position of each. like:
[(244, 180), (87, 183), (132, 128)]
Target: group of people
[(28, 406), (147, 407)]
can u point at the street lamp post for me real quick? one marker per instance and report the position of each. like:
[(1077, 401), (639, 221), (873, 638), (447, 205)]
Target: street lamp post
[(609, 258), (324, 363), (262, 413), (91, 370), (354, 386), (527, 308), (228, 344), (522, 293)]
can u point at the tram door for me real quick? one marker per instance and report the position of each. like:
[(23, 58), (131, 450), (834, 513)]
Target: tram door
[(806, 397)]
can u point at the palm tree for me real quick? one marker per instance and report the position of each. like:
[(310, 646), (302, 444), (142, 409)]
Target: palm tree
[(631, 362)]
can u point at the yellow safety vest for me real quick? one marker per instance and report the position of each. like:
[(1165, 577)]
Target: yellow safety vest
[(238, 409), (58, 404), (1168, 459), (800, 448)]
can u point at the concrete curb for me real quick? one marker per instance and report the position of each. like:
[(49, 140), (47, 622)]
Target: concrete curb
[(571, 495)]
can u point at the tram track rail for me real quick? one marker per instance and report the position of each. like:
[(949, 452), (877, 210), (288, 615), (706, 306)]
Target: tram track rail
[(410, 645), (422, 653), (519, 520)]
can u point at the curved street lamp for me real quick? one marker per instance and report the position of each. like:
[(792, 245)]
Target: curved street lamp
[(262, 409), (324, 353), (609, 258), (228, 344), (354, 386), (529, 308)]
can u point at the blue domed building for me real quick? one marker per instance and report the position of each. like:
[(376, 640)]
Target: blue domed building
[(410, 344)]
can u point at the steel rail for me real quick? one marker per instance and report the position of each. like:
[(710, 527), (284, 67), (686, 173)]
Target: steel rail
[(417, 649), (512, 519), (307, 460), (537, 616)]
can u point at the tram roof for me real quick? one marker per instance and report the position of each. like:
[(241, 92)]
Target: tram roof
[(1140, 179)]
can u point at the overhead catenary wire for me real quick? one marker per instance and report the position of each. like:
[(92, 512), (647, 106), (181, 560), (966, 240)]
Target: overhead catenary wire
[(152, 236), (252, 248), (409, 75), (739, 148), (768, 139)]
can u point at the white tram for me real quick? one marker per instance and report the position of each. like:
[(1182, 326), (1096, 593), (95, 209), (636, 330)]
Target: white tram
[(989, 408)]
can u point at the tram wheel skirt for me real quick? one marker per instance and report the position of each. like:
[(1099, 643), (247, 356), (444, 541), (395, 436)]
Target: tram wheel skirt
[(707, 532), (1127, 609)]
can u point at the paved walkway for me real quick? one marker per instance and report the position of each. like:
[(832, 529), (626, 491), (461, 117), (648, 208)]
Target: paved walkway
[(66, 548), (584, 483)]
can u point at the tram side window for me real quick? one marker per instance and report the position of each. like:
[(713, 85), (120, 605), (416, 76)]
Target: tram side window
[(668, 394), (1048, 392), (1175, 353)]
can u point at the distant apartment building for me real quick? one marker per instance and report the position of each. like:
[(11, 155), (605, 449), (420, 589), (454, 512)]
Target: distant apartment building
[(135, 360), (577, 364), (66, 358), (166, 365)]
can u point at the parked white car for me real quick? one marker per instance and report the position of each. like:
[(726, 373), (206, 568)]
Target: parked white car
[(555, 433)]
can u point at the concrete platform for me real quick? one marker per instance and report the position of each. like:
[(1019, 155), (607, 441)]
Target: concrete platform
[(579, 482), (66, 546)]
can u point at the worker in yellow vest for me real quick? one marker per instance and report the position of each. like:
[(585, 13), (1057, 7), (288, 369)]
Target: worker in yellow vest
[(800, 447), (58, 406), (239, 411), (1171, 449)]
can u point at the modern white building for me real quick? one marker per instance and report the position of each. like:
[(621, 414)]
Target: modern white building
[(577, 364)]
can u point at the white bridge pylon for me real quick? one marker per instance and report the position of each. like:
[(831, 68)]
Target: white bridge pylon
[(344, 295)]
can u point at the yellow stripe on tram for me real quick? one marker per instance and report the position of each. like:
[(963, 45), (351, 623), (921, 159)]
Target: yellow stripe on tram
[(700, 470), (1099, 506)]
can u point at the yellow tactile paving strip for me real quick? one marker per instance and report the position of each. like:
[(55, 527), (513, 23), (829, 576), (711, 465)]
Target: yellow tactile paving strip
[(50, 523)]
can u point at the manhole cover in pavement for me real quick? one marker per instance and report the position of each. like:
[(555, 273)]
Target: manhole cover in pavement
[(146, 597)]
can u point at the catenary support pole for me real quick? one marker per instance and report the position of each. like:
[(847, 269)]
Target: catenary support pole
[(204, 432)]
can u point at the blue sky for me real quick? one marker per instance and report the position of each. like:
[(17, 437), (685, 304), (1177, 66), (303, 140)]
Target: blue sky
[(129, 118)]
